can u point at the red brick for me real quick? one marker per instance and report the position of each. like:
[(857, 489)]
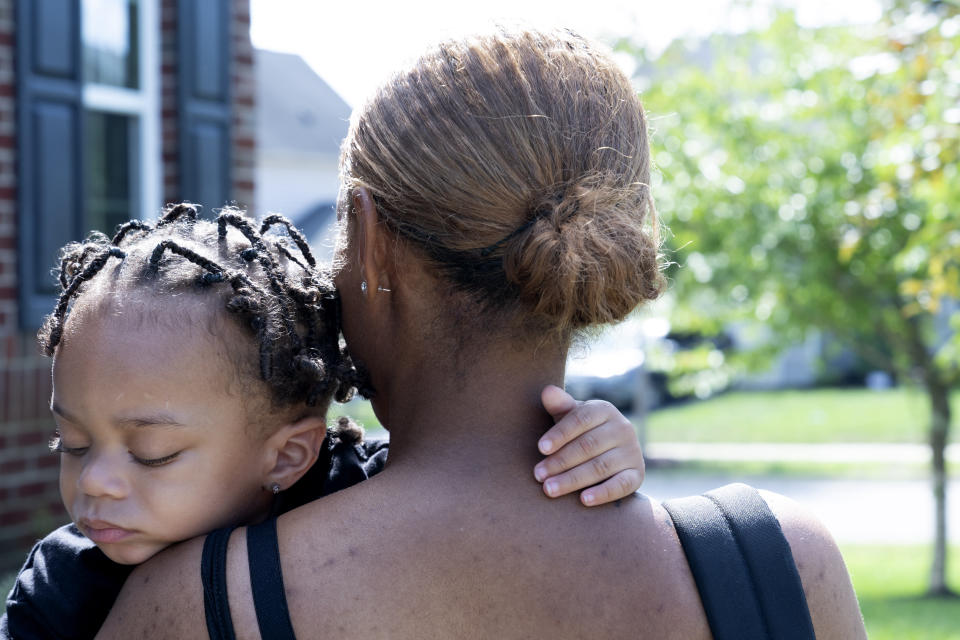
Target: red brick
[(14, 517), (30, 438), (33, 489), (13, 466), (48, 461)]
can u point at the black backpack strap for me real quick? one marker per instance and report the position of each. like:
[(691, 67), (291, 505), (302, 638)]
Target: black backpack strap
[(213, 574), (266, 581), (742, 564)]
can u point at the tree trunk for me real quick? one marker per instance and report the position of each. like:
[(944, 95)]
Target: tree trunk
[(939, 431), (939, 393)]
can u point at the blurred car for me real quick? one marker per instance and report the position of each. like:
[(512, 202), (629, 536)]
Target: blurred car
[(611, 366)]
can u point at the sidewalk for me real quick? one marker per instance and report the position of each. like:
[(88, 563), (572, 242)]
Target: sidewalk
[(767, 452), (878, 511)]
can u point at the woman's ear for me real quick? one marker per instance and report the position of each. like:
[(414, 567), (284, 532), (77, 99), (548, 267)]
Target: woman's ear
[(371, 240), (292, 450)]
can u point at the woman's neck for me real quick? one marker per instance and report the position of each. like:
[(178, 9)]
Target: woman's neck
[(479, 413)]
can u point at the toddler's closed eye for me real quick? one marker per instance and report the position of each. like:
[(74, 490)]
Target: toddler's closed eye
[(156, 462)]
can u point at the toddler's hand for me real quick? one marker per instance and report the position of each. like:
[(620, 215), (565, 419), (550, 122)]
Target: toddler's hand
[(590, 444)]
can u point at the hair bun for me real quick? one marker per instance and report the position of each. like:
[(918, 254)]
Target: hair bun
[(585, 260)]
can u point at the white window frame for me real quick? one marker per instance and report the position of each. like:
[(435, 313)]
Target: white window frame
[(142, 103)]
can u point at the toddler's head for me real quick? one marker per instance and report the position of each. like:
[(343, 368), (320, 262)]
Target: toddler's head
[(193, 364)]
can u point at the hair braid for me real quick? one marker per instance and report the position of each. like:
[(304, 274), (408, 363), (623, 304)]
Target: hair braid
[(127, 227), (301, 242), (215, 272), (72, 262), (55, 329), (178, 211)]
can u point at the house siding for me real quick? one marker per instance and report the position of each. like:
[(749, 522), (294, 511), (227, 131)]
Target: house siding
[(29, 497)]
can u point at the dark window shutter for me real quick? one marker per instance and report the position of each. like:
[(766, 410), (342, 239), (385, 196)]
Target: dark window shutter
[(204, 31), (49, 145)]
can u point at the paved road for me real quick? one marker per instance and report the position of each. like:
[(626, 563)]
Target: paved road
[(758, 451), (856, 511)]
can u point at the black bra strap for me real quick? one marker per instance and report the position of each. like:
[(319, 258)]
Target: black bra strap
[(213, 574), (266, 580), (742, 564)]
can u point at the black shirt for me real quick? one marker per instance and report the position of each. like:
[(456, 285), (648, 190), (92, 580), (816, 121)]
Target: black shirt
[(67, 585)]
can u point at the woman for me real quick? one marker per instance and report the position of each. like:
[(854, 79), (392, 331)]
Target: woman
[(495, 203)]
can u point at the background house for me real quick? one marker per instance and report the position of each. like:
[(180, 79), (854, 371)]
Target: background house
[(300, 124), (108, 109)]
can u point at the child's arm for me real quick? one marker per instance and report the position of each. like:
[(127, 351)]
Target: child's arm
[(64, 590), (592, 443)]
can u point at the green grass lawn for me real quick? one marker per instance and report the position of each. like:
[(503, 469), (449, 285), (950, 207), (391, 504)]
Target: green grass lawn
[(815, 416), (889, 581)]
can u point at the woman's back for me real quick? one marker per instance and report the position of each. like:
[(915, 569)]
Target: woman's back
[(465, 561)]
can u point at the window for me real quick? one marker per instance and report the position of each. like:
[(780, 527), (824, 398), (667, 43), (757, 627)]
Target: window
[(121, 155), (88, 122)]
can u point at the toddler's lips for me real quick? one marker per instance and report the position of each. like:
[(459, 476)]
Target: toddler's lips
[(103, 532)]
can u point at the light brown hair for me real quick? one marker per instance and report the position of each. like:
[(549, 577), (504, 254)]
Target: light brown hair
[(519, 164)]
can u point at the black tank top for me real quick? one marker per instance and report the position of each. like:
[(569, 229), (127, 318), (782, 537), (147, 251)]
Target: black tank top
[(266, 580)]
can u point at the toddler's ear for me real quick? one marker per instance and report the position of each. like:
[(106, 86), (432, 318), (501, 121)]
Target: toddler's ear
[(293, 449)]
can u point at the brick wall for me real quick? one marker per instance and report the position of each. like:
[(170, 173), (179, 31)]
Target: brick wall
[(29, 497), (8, 238), (169, 143), (244, 89)]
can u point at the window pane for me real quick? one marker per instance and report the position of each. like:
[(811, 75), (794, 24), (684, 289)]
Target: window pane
[(110, 42), (111, 170)]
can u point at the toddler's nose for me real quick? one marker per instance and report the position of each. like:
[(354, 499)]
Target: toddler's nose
[(101, 477)]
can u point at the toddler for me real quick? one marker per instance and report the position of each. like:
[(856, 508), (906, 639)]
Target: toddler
[(194, 362)]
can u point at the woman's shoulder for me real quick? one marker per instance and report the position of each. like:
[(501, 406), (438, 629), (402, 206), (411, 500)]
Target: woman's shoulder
[(162, 598), (826, 583)]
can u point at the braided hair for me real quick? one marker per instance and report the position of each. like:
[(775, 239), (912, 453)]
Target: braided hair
[(270, 282)]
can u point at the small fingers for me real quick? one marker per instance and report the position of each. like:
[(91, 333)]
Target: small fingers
[(598, 469), (587, 446), (619, 486), (580, 420), (556, 401)]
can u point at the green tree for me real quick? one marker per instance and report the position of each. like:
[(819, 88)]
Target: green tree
[(809, 178)]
